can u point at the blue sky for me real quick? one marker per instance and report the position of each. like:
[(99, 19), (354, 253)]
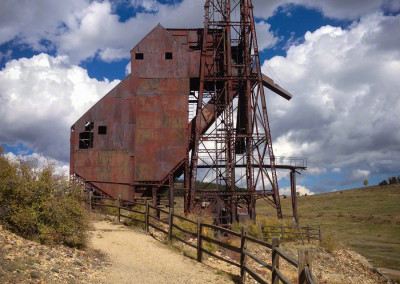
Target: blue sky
[(340, 59)]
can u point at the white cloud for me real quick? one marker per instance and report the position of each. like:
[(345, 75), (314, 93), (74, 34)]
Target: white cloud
[(299, 188), (336, 170), (345, 105), (336, 9), (316, 171), (40, 98), (84, 29), (360, 174), (41, 161), (265, 37)]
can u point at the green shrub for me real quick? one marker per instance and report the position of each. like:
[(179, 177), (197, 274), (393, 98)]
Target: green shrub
[(38, 203)]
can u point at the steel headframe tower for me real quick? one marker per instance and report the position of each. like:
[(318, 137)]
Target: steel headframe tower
[(231, 146)]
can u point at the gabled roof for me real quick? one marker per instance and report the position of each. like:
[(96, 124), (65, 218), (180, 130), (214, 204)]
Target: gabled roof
[(166, 31)]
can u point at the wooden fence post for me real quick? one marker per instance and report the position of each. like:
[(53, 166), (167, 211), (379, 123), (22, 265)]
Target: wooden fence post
[(147, 217), (319, 234), (242, 254), (90, 202), (282, 232), (260, 230), (305, 259), (119, 208), (199, 234), (275, 260), (171, 220)]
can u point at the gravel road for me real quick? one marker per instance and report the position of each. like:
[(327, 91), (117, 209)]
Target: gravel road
[(137, 258)]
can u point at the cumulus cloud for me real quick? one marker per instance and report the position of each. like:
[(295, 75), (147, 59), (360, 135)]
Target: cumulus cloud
[(40, 98), (336, 9), (299, 188), (41, 161), (345, 109), (316, 171), (85, 29), (336, 170)]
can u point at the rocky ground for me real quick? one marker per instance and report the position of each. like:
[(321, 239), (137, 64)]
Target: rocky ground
[(24, 261)]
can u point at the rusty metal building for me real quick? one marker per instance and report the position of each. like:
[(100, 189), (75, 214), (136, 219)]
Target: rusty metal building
[(141, 136)]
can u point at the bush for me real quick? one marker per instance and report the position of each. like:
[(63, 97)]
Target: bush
[(384, 182), (38, 203), (329, 243)]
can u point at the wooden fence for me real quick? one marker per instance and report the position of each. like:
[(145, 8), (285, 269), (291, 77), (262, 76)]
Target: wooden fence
[(287, 233), (151, 217)]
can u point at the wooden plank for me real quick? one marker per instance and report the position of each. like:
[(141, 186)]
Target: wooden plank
[(155, 227), (224, 245), (158, 209), (101, 197), (183, 241), (221, 258), (286, 257), (185, 231), (124, 216), (222, 229), (263, 263), (105, 205), (255, 275), (282, 277), (158, 219), (133, 210), (260, 242), (185, 219)]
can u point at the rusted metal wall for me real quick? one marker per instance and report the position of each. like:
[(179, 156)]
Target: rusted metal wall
[(146, 117)]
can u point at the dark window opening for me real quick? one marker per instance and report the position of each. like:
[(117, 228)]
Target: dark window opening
[(89, 126), (86, 137), (102, 130), (168, 55), (139, 56)]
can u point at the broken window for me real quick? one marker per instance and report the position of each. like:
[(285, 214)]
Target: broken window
[(168, 55), (102, 130), (139, 56), (86, 137)]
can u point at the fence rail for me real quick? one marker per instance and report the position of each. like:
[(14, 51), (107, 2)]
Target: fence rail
[(166, 225)]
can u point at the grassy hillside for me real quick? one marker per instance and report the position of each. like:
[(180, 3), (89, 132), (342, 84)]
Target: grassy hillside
[(365, 219)]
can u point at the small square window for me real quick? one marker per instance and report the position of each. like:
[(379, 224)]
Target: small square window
[(89, 126), (139, 56), (102, 130), (168, 55)]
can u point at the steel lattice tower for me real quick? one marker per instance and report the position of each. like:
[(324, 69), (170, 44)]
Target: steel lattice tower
[(231, 145)]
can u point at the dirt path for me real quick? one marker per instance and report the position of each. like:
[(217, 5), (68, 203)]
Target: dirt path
[(138, 258)]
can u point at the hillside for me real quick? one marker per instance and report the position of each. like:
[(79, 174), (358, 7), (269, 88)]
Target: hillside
[(365, 219)]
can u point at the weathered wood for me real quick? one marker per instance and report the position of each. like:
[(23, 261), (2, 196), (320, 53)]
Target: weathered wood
[(255, 258), (183, 241), (242, 254), (305, 259), (218, 228), (90, 202), (275, 260), (171, 220), (185, 231), (157, 228), (185, 219), (268, 245), (119, 209), (281, 277), (221, 244), (133, 210), (287, 257), (147, 218), (221, 258), (199, 235), (255, 275)]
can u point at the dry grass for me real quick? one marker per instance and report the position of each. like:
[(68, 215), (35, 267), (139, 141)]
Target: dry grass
[(365, 219)]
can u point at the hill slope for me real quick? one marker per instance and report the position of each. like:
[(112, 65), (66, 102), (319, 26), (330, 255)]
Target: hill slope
[(365, 219)]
